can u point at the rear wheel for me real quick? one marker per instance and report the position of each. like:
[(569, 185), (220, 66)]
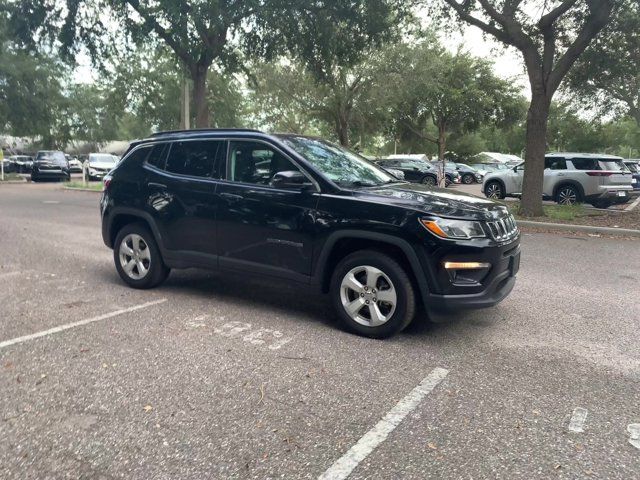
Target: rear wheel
[(494, 190), (567, 195), (372, 294), (137, 257), (429, 180)]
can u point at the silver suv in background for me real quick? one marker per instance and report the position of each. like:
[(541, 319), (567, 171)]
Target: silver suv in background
[(569, 178)]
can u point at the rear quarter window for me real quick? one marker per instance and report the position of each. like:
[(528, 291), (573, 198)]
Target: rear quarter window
[(585, 163)]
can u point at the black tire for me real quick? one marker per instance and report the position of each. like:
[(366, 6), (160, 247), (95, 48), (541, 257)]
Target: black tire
[(429, 180), (157, 270), (405, 306), (568, 195), (495, 190), (468, 178), (601, 203)]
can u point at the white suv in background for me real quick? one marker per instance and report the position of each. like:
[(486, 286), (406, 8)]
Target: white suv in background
[(569, 178)]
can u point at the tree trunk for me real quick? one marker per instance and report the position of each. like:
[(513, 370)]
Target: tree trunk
[(442, 145), (342, 128), (536, 143), (200, 101)]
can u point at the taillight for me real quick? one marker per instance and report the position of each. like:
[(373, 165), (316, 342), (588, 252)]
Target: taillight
[(106, 182), (599, 174)]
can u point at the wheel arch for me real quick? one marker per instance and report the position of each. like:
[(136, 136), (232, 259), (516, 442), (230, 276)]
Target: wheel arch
[(122, 217), (340, 244)]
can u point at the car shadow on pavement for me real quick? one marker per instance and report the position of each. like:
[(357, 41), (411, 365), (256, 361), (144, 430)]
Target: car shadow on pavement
[(290, 299)]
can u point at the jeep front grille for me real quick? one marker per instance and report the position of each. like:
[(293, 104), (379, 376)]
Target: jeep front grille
[(503, 229)]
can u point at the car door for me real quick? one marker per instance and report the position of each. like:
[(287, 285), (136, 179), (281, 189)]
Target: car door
[(555, 170), (181, 191), (411, 171), (264, 227)]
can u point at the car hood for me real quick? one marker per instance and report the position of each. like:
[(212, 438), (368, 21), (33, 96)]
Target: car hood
[(103, 165), (434, 201)]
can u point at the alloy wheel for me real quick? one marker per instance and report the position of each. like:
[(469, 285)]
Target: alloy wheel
[(493, 191), (368, 296), (135, 257), (567, 196)]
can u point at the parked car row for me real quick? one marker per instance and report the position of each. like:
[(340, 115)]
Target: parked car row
[(17, 163), (570, 178), (416, 170), (55, 165)]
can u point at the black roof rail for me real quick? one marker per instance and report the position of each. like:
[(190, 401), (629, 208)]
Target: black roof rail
[(202, 130)]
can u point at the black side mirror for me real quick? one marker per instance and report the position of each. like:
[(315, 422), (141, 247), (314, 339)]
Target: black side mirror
[(291, 179), (515, 169)]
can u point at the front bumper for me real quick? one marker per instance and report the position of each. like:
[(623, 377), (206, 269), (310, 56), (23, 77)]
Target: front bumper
[(489, 288)]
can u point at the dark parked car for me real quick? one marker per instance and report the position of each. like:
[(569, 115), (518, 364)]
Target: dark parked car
[(50, 165), (468, 174), (22, 163), (416, 171), (634, 167), (308, 211)]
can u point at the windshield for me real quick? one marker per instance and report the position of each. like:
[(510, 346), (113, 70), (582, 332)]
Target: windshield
[(52, 156), (339, 165), (102, 158)]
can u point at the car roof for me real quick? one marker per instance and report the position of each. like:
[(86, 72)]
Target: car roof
[(583, 155)]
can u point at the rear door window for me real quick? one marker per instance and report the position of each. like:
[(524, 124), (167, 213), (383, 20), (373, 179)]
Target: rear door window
[(158, 155), (199, 158)]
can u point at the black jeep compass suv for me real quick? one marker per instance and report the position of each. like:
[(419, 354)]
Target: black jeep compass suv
[(306, 210)]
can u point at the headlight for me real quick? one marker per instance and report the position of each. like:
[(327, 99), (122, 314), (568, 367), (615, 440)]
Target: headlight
[(449, 228)]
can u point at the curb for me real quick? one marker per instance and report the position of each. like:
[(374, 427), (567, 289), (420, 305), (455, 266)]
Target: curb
[(81, 189), (12, 182), (580, 228)]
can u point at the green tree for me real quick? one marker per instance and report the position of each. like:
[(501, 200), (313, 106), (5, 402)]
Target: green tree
[(201, 34), (550, 36), (437, 94), (607, 75)]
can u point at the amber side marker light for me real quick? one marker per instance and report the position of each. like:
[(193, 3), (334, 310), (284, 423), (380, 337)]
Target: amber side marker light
[(465, 265), (434, 228)]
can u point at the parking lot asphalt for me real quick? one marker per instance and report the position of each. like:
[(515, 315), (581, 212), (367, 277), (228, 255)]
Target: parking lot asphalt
[(211, 376)]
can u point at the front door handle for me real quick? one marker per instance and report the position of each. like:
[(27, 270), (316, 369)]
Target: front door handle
[(157, 185), (231, 197)]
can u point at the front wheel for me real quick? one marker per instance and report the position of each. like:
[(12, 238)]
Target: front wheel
[(137, 257), (468, 179), (494, 190), (372, 294)]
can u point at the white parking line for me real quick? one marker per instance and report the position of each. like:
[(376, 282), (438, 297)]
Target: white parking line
[(576, 424), (67, 326), (634, 432), (9, 274), (343, 467)]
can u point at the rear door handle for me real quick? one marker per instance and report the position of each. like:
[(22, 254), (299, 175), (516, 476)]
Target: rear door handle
[(231, 197), (157, 185)]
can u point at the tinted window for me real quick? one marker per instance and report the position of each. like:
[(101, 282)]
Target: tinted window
[(613, 165), (254, 162), (585, 163), (138, 155), (158, 155), (555, 163), (196, 158)]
